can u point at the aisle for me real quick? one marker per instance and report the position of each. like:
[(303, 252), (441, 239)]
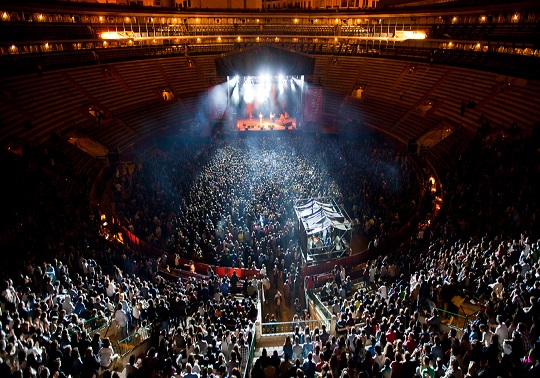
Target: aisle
[(269, 308), (359, 243)]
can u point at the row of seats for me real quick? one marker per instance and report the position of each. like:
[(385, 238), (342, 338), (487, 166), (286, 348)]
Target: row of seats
[(34, 106), (30, 31), (506, 31)]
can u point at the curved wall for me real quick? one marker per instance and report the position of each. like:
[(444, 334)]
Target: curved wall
[(129, 96)]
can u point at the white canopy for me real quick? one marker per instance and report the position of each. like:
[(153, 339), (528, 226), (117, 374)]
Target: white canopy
[(317, 216)]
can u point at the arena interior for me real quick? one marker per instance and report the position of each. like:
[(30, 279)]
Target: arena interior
[(269, 188)]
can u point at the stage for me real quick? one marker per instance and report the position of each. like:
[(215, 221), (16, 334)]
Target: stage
[(266, 124)]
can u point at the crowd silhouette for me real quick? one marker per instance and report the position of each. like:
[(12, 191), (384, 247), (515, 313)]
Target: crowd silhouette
[(228, 202)]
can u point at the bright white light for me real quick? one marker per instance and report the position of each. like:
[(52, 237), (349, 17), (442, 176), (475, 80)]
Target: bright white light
[(263, 90), (116, 35), (409, 34), (280, 87), (295, 84), (268, 84), (249, 94), (235, 95), (233, 81)]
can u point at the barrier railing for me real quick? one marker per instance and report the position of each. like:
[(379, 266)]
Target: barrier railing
[(92, 325), (125, 346), (288, 327), (320, 305), (452, 319), (100, 322), (251, 355)]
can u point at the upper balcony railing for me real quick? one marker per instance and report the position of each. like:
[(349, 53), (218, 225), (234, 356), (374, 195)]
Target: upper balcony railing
[(62, 37)]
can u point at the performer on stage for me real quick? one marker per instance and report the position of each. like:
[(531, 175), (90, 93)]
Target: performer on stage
[(272, 117), (286, 115), (261, 117)]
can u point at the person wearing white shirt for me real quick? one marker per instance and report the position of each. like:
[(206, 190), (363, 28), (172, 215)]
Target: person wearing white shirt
[(383, 292), (501, 330), (297, 350), (372, 273), (121, 320), (136, 311), (486, 335), (498, 287), (106, 355), (189, 372), (67, 305), (110, 289)]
